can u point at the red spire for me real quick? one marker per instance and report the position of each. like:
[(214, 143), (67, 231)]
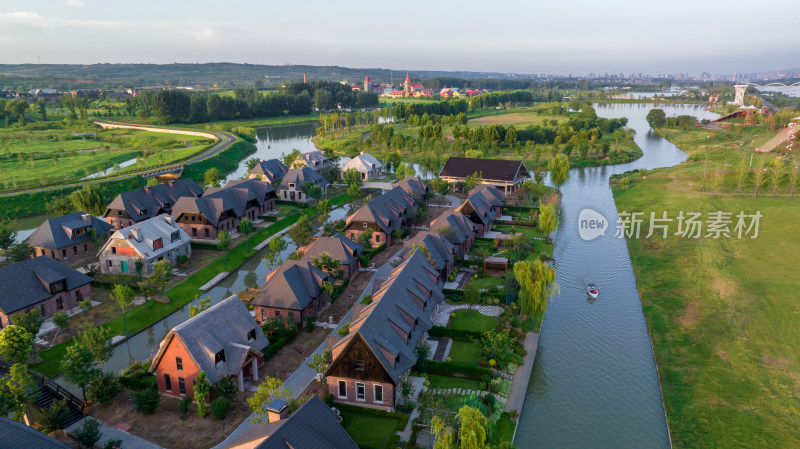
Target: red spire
[(366, 80), (408, 78)]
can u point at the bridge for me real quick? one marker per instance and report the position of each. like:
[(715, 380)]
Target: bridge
[(740, 90)]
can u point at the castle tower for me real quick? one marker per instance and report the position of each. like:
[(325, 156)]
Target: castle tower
[(367, 84), (304, 78), (407, 85)]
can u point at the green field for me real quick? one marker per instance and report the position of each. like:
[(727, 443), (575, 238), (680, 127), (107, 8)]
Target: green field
[(722, 313), (441, 381)]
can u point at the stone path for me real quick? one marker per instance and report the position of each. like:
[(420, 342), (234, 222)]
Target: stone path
[(443, 315), (466, 392), (129, 441), (516, 396)]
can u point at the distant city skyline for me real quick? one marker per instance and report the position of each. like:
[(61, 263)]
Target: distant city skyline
[(579, 37)]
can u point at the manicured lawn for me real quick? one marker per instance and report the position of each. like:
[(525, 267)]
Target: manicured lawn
[(370, 430), (488, 283), (465, 352), (440, 381), (472, 320), (503, 430)]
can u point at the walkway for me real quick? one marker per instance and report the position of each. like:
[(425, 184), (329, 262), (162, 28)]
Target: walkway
[(782, 136), (129, 441), (377, 185), (516, 396), (445, 310)]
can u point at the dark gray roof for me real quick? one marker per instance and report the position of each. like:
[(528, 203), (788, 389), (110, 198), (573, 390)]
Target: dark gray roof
[(25, 280), (482, 207), (16, 435), (395, 309), (271, 168), (223, 326), (461, 226), (153, 199), (413, 186), (388, 210), (55, 232), (490, 169), (339, 247), (234, 197), (492, 194), (300, 176), (439, 250), (313, 426), (293, 286)]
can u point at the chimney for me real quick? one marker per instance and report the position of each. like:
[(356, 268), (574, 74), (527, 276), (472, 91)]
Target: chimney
[(361, 153), (86, 217), (148, 190), (277, 410), (137, 234), (172, 183)]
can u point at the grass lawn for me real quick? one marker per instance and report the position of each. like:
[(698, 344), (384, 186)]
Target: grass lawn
[(472, 321), (465, 352), (490, 283), (722, 313), (370, 430), (440, 381), (503, 430)]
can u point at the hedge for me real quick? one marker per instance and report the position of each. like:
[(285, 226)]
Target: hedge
[(138, 384), (455, 334), (204, 245), (372, 411), (465, 369)]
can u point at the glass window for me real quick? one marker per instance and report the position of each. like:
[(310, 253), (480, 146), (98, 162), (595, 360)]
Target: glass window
[(263, 314), (251, 336), (179, 363), (219, 357), (360, 391), (378, 393), (291, 317), (181, 385), (358, 365), (342, 389), (167, 382), (59, 303)]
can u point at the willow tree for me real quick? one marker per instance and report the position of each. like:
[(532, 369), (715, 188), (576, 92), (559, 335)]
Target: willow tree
[(548, 218), (473, 428), (559, 170), (536, 283), (88, 199), (442, 435)]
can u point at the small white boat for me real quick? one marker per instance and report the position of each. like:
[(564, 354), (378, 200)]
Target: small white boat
[(592, 290)]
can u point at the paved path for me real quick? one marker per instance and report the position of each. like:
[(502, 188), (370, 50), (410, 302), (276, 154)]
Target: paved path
[(782, 136), (377, 185), (516, 396), (129, 441), (454, 200), (443, 315)]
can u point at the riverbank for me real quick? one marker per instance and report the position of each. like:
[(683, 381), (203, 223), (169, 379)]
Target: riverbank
[(722, 313)]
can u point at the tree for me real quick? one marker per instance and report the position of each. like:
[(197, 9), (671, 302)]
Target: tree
[(741, 176), (472, 181), (354, 191), (559, 170), (20, 252), (161, 275), (320, 363), (327, 289), (536, 282), (88, 434), (324, 210), (246, 227), (775, 174), (203, 305), (41, 109), (251, 163), (442, 435), (88, 199), (78, 366), (123, 297), (471, 295), (269, 390), (290, 159), (794, 173), (618, 135), (16, 391), (656, 118), (301, 232), (61, 320), (212, 177), (365, 237), (7, 236), (406, 390), (758, 176), (440, 186), (423, 352), (328, 264), (53, 417), (31, 321), (548, 218), (276, 246), (400, 171), (201, 391), (145, 289), (511, 136), (16, 343), (473, 428), (97, 340)]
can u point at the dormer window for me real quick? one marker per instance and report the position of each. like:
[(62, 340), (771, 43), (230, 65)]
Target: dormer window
[(176, 235), (158, 244), (58, 286), (219, 357), (143, 212), (251, 336)]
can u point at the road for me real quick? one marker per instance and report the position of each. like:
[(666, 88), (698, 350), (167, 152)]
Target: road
[(224, 140)]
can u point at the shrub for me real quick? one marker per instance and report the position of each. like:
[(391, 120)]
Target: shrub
[(182, 259), (310, 320), (184, 405), (88, 434), (367, 299), (138, 384), (328, 400), (220, 407), (146, 401), (113, 444), (227, 387), (102, 389)]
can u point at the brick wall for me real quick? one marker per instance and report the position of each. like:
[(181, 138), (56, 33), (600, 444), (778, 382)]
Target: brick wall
[(49, 307), (369, 390)]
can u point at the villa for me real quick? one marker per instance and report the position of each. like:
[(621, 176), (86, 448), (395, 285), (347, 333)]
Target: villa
[(270, 171), (138, 205), (366, 164), (292, 187), (457, 229), (70, 237), (506, 175), (338, 247), (293, 291), (383, 215), (150, 241)]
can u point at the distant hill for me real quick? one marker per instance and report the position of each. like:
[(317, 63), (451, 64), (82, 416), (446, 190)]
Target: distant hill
[(223, 75)]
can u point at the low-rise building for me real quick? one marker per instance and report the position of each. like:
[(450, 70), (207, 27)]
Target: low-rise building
[(315, 160), (69, 237), (457, 229), (293, 184), (492, 196), (383, 215), (292, 292), (42, 284), (338, 247), (414, 187), (506, 175), (150, 241), (366, 164), (222, 341), (222, 209), (437, 249), (138, 205), (271, 171), (479, 211)]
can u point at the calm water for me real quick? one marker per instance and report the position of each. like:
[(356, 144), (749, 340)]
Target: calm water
[(594, 382)]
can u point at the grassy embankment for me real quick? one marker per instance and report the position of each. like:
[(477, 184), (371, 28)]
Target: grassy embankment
[(722, 313), (144, 316)]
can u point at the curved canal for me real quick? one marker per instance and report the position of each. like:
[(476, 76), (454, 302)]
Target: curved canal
[(594, 383)]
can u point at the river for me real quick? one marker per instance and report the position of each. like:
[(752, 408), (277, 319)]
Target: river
[(594, 383)]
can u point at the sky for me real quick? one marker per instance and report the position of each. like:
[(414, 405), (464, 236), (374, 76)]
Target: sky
[(560, 37)]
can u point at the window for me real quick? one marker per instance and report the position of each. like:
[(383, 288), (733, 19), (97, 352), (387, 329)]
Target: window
[(291, 317), (358, 365), (109, 263), (360, 391), (113, 250), (377, 238), (64, 253), (52, 254), (41, 309), (277, 314), (58, 286), (352, 236), (179, 363), (176, 235), (119, 213), (75, 249), (251, 336), (343, 389), (59, 303), (194, 232), (78, 295), (158, 244), (181, 386), (206, 230), (167, 383), (219, 357), (364, 225), (379, 393), (85, 248), (263, 315)]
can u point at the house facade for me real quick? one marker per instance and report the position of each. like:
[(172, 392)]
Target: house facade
[(292, 186), (383, 215), (506, 175), (292, 292), (270, 170), (42, 284), (367, 165), (131, 207), (222, 209), (152, 240), (457, 229), (338, 247), (413, 186), (70, 237)]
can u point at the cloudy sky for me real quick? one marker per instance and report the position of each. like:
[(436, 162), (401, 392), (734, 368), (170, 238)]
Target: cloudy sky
[(524, 36)]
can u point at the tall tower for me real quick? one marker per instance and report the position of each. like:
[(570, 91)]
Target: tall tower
[(367, 84), (304, 78), (407, 85)]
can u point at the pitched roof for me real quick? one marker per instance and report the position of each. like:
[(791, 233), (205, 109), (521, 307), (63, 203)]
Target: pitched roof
[(438, 249), (26, 280), (460, 225), (223, 326), (313, 426), (271, 168), (235, 197), (481, 206), (413, 186), (490, 169), (491, 194), (142, 235), (18, 435), (150, 201), (364, 162), (55, 232), (339, 247), (314, 156), (300, 176), (293, 285), (400, 312), (387, 210)]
